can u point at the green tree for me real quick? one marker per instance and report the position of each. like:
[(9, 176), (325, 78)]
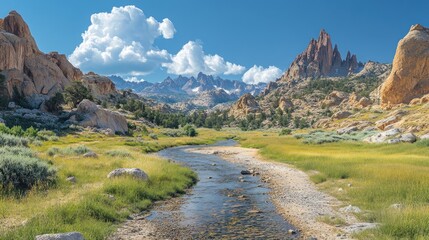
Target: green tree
[(76, 92), (55, 102)]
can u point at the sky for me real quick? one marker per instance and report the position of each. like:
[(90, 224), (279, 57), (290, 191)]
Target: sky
[(250, 40)]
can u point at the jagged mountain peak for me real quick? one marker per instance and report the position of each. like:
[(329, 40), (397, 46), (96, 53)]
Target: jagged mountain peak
[(321, 60)]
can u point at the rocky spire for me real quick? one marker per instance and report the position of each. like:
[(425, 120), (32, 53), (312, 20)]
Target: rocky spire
[(321, 60)]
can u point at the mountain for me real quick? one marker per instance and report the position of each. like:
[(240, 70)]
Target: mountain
[(321, 60), (202, 91), (123, 84)]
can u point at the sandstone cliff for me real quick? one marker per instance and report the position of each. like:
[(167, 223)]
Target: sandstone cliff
[(29, 72), (321, 60), (409, 78)]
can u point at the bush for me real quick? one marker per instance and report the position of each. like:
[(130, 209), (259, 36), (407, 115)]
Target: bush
[(30, 132), (190, 130), (285, 131), (153, 136), (20, 172), (76, 92), (423, 143), (55, 102), (12, 141), (79, 150), (118, 153), (174, 132)]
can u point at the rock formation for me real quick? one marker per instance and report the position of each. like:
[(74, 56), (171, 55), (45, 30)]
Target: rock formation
[(28, 72), (244, 106), (409, 78), (99, 86), (94, 116), (321, 60)]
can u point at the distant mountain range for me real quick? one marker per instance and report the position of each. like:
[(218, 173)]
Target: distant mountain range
[(200, 91)]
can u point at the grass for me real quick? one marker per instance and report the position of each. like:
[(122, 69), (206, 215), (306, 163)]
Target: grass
[(381, 175), (95, 205)]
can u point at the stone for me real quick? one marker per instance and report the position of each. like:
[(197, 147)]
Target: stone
[(94, 116), (134, 172), (350, 209), (425, 136), (347, 130), (90, 155), (334, 99), (409, 78), (291, 231), (383, 136), (393, 141), (11, 105), (321, 60), (397, 206), (71, 179), (383, 123), (61, 236), (245, 172), (244, 106), (341, 115), (100, 86), (408, 137)]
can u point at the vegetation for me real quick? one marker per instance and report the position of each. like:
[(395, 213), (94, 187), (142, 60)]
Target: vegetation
[(95, 205), (76, 92), (285, 131), (319, 137), (54, 104), (381, 175), (361, 86)]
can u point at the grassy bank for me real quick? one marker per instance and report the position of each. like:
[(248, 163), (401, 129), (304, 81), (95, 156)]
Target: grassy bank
[(381, 175), (95, 205)]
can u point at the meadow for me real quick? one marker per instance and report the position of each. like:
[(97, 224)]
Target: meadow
[(95, 205), (380, 176)]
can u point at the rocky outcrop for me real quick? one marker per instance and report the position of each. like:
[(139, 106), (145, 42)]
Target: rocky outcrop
[(244, 106), (285, 104), (28, 72), (93, 116), (321, 60), (99, 86), (335, 98), (409, 78), (373, 69)]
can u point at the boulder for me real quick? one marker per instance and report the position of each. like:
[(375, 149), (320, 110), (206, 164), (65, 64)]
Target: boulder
[(409, 78), (100, 86), (61, 236), (425, 136), (347, 130), (244, 106), (95, 116), (334, 99), (71, 179), (90, 155), (341, 115), (393, 118), (350, 209), (134, 172), (383, 136), (285, 104), (408, 137)]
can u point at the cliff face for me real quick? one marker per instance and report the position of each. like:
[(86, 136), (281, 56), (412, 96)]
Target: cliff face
[(321, 60), (409, 78), (29, 72)]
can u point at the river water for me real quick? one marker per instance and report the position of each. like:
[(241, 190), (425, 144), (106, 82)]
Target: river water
[(224, 204)]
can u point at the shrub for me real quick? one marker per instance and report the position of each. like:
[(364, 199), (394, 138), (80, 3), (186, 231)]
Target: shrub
[(423, 143), (118, 153), (19, 151), (285, 131), (79, 150), (153, 136), (20, 172), (76, 92), (11, 141), (174, 132), (190, 130), (55, 102)]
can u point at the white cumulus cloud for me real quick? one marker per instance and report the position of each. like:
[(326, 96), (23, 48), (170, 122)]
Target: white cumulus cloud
[(258, 74), (121, 42), (191, 60)]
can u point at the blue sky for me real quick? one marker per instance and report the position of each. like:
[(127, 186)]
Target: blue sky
[(226, 37)]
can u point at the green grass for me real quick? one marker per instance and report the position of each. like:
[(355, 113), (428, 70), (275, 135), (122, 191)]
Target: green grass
[(381, 175), (96, 205)]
